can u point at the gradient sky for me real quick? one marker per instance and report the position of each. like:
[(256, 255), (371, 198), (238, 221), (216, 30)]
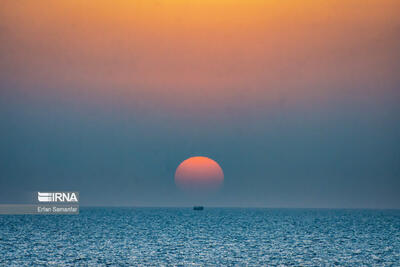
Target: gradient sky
[(298, 101)]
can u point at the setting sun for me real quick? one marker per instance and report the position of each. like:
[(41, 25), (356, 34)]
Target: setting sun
[(199, 173)]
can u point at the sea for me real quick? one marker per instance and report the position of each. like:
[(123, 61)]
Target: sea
[(210, 237)]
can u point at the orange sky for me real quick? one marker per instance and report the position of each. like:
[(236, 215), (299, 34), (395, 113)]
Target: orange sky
[(298, 101), (188, 54)]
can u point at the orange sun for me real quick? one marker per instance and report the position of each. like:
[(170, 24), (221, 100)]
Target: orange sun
[(199, 173)]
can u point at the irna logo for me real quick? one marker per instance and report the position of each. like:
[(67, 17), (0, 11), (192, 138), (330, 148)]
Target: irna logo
[(58, 197)]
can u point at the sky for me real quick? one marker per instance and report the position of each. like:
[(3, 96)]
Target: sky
[(298, 101)]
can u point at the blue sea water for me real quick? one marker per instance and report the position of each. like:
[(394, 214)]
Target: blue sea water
[(212, 237)]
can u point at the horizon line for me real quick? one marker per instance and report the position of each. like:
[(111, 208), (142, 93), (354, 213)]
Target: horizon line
[(236, 207)]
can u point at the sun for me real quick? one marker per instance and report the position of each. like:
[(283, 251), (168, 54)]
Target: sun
[(199, 174)]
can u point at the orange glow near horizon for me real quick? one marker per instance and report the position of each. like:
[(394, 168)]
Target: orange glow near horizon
[(198, 54), (199, 173)]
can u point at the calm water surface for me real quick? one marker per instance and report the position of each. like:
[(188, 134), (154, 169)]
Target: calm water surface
[(214, 236)]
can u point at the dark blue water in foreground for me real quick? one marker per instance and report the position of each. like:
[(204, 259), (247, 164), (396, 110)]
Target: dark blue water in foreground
[(181, 236)]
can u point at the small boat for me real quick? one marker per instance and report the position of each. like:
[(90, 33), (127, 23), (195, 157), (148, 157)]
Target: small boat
[(198, 208)]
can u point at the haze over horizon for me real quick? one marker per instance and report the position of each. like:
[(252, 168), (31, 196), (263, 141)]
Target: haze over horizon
[(297, 101)]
